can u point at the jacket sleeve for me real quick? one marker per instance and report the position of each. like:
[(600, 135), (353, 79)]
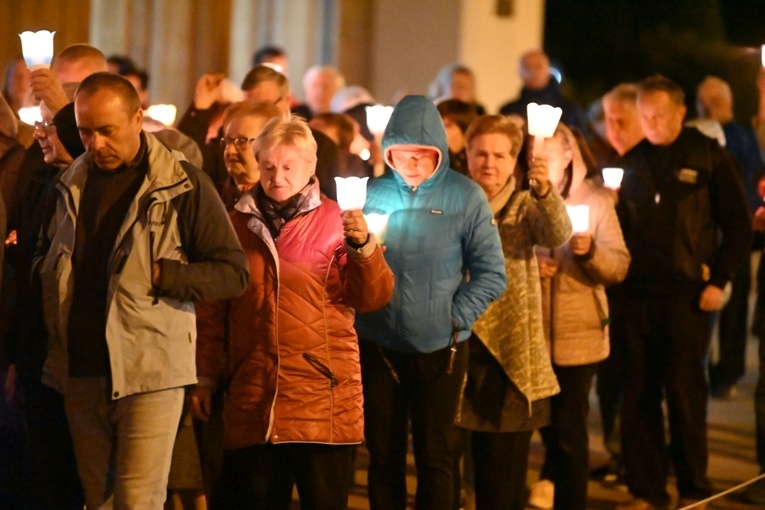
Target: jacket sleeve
[(217, 266), (730, 214), (368, 281), (212, 324), (608, 259), (549, 223), (484, 263), (195, 124)]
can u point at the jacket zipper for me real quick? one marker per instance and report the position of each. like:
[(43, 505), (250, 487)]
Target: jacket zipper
[(322, 368)]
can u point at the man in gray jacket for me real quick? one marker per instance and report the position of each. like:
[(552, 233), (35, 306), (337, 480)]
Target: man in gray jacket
[(137, 235)]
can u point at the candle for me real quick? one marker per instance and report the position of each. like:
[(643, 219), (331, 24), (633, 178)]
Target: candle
[(351, 192), (164, 113), (580, 218), (612, 177), (378, 225), (37, 48)]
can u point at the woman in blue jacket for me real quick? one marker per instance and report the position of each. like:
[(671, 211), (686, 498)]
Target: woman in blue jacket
[(444, 249)]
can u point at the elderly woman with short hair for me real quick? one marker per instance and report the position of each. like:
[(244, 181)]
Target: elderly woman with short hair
[(510, 379), (287, 348)]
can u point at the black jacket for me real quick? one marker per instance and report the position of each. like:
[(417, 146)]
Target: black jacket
[(683, 214)]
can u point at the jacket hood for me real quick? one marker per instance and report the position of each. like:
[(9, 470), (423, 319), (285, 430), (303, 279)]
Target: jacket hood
[(416, 122)]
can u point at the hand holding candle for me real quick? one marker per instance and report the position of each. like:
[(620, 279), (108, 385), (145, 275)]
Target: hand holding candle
[(542, 119), (355, 226)]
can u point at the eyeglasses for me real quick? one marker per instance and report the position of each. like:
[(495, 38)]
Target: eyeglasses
[(46, 126), (239, 142)]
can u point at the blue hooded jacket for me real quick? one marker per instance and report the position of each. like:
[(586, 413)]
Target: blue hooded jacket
[(438, 233)]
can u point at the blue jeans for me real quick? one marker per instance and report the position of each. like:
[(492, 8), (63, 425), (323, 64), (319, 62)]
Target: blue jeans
[(123, 447)]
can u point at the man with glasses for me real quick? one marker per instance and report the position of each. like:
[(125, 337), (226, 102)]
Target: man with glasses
[(262, 84)]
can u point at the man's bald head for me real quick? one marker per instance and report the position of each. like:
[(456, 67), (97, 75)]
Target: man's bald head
[(78, 61)]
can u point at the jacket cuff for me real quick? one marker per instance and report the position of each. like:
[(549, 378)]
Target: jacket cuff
[(364, 251), (168, 273)]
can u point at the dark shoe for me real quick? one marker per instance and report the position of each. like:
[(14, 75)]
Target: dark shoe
[(610, 475)]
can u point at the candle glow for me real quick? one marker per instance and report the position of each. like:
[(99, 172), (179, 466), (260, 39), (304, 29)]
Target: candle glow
[(37, 48), (612, 177), (377, 118), (580, 217), (164, 113), (351, 192)]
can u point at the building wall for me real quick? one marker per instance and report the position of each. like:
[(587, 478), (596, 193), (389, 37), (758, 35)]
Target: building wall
[(392, 47)]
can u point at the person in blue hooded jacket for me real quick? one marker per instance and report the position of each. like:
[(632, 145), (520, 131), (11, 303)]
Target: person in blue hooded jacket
[(444, 249)]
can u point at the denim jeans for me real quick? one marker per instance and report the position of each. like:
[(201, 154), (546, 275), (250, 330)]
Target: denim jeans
[(123, 447), (399, 387)]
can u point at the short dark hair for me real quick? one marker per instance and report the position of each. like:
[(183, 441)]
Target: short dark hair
[(659, 83), (266, 53), (123, 64), (260, 74), (143, 77), (459, 112), (114, 83)]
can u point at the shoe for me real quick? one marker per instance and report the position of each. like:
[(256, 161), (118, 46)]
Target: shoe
[(690, 504), (638, 504), (755, 493), (542, 494), (726, 392)]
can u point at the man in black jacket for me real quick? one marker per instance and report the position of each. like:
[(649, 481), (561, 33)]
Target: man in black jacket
[(686, 224)]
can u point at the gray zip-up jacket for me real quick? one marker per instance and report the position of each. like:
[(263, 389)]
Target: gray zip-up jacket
[(177, 220)]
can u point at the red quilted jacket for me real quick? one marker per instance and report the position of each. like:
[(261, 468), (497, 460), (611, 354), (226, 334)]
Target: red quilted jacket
[(287, 349)]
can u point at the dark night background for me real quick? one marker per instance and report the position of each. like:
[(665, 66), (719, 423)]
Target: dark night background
[(599, 43)]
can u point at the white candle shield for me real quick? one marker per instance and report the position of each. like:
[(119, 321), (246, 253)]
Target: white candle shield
[(377, 118), (37, 48), (351, 192), (378, 225), (580, 218), (612, 177)]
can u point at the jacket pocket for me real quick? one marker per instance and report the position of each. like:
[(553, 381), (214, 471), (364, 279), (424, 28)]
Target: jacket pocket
[(322, 368)]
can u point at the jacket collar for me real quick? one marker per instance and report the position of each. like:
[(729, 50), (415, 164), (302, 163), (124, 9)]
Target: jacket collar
[(164, 172)]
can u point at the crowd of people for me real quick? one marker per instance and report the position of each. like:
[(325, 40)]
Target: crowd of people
[(190, 319)]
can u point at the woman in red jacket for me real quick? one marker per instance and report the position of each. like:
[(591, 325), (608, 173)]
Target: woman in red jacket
[(287, 350)]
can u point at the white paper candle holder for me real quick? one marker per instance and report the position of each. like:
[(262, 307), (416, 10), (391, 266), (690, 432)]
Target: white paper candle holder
[(612, 177), (351, 192), (37, 48), (580, 218)]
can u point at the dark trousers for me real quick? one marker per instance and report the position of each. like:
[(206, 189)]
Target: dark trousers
[(399, 387), (666, 344), (566, 439), (261, 477), (57, 485), (733, 332), (500, 461)]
